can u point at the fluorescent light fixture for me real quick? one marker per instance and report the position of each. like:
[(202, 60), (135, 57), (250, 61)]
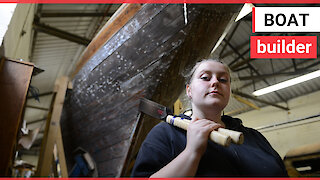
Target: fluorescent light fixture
[(307, 168), (287, 83)]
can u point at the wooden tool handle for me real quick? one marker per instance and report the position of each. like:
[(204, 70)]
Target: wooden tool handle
[(236, 137), (215, 136)]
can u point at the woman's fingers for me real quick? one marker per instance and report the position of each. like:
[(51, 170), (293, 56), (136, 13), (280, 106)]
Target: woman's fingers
[(198, 133), (206, 123)]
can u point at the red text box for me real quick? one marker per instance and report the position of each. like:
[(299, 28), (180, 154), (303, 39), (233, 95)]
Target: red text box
[(270, 47)]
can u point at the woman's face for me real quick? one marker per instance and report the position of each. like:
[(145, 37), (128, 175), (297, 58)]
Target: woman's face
[(210, 86)]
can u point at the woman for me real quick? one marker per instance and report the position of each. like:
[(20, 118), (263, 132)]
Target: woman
[(171, 152)]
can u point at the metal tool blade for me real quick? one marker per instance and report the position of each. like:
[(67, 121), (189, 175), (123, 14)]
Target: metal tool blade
[(154, 109)]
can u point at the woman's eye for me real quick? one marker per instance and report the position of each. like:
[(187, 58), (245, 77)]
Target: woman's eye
[(204, 78), (223, 80)]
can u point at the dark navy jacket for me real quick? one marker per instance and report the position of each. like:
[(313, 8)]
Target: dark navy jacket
[(254, 158)]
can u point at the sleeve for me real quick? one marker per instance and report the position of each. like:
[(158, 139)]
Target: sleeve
[(155, 152)]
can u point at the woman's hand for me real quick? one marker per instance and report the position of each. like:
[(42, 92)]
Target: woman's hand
[(198, 134), (187, 162)]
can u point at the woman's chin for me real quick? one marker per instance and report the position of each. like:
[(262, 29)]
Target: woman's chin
[(217, 104)]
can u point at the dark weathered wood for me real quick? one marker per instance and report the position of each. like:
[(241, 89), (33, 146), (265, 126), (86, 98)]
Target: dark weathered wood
[(124, 14), (147, 57), (15, 78)]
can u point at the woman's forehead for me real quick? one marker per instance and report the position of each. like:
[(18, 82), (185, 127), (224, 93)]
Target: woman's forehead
[(212, 66)]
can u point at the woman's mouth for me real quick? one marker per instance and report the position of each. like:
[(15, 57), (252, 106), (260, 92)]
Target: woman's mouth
[(214, 93)]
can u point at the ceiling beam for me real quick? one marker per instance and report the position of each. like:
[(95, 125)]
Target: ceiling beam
[(61, 34), (246, 102), (240, 69), (259, 100), (247, 18), (36, 121), (42, 94), (36, 107), (265, 76), (229, 53), (240, 63), (78, 14), (294, 64), (233, 48), (29, 152), (285, 69), (229, 38)]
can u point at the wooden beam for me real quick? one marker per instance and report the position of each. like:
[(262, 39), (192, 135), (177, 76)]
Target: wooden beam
[(52, 129), (177, 107), (246, 102), (61, 34), (61, 155), (36, 121), (42, 94), (259, 100), (36, 107), (115, 23)]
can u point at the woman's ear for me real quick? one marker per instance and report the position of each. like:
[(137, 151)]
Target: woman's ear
[(188, 91)]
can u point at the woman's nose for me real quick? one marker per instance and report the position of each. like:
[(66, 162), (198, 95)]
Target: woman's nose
[(214, 81)]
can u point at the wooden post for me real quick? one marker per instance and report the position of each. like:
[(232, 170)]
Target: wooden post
[(61, 156), (52, 129), (177, 107)]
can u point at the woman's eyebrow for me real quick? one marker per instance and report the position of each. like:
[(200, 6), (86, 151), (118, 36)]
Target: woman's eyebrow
[(205, 71), (210, 72)]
